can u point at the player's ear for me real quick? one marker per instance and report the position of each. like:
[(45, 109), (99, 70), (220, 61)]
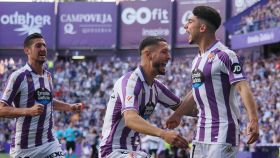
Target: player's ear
[(202, 27), (147, 53), (26, 50)]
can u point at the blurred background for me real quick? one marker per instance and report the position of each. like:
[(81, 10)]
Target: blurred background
[(92, 43)]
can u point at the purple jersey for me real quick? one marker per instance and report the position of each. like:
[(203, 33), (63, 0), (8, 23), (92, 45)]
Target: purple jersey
[(131, 91), (213, 75), (24, 89)]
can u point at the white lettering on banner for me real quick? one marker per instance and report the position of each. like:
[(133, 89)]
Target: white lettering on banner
[(96, 30), (260, 37), (88, 18), (30, 23), (155, 32), (69, 29), (144, 15), (184, 20)]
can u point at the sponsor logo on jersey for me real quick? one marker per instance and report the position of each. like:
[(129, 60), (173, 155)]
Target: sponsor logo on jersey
[(43, 96), (55, 154), (197, 78), (236, 68)]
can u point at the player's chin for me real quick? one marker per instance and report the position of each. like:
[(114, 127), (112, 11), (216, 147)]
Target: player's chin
[(190, 41), (42, 58), (42, 61), (161, 71)]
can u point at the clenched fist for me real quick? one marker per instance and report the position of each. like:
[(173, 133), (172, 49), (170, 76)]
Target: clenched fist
[(173, 138), (77, 107), (35, 110)]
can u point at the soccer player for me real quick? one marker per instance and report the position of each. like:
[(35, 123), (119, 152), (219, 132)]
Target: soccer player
[(70, 135), (133, 100), (28, 97), (217, 76)]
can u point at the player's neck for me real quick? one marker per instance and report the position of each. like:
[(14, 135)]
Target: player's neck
[(206, 42), (148, 73), (37, 67)]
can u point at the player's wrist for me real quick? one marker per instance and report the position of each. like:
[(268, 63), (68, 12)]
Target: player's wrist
[(25, 112), (253, 120), (161, 134), (72, 108)]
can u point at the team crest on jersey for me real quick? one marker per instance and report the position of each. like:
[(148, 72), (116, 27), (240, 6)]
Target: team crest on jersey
[(197, 78), (149, 109), (43, 96), (211, 57)]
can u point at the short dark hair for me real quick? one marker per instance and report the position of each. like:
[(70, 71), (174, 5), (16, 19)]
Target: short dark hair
[(208, 14), (28, 39), (150, 40)]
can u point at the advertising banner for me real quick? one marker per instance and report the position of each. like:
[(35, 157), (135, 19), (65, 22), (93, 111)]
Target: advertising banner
[(87, 25), (255, 38), (184, 11), (144, 18), (20, 19)]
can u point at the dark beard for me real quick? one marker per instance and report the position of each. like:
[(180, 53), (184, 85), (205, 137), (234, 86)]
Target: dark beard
[(156, 66), (41, 62), (191, 42)]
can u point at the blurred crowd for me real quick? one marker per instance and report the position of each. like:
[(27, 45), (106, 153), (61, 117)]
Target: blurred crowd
[(90, 82), (261, 18)]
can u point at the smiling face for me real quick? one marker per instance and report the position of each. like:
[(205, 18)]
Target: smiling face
[(160, 57), (37, 51)]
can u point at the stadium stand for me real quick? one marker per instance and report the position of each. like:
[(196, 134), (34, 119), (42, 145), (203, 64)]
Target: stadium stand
[(91, 83)]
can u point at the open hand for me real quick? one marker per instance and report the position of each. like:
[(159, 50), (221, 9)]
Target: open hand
[(252, 131)]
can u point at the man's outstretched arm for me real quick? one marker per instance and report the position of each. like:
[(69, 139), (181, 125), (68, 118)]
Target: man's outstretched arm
[(137, 123), (62, 106)]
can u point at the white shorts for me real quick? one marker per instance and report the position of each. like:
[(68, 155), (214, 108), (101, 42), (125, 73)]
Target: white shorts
[(201, 150), (121, 153), (48, 150)]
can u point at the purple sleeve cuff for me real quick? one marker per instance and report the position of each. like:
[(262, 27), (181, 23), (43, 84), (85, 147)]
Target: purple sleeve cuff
[(5, 102)]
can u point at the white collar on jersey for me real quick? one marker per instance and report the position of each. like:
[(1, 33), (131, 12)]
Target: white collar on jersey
[(140, 73), (29, 68), (210, 48)]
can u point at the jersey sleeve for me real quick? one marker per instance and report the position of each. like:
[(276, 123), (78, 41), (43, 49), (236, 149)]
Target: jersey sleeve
[(12, 88), (232, 66), (165, 96), (131, 88)]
